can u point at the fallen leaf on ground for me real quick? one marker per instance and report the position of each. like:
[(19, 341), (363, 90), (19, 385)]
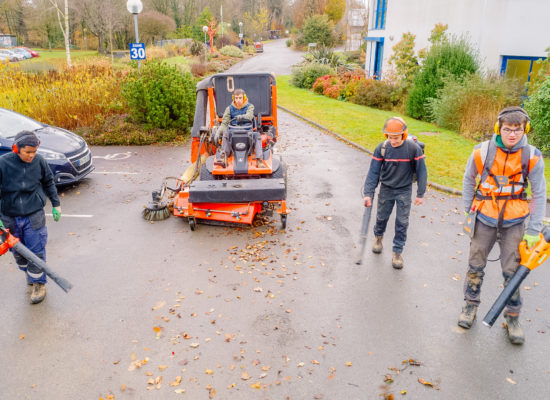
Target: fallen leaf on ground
[(158, 305), (176, 382), (510, 380), (349, 364), (245, 376), (209, 372), (426, 383), (255, 385), (179, 391)]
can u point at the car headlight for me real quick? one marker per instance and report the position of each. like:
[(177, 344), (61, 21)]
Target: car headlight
[(51, 155)]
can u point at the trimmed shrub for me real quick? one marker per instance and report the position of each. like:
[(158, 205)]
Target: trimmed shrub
[(288, 43), (196, 48), (455, 57), (161, 96), (249, 49), (470, 105), (317, 29), (377, 94), (227, 39), (232, 51), (323, 83), (199, 69), (538, 107), (305, 76), (154, 52)]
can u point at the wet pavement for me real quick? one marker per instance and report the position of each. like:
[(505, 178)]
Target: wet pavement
[(160, 312)]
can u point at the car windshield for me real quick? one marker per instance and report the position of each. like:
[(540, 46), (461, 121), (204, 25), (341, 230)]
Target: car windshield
[(11, 124)]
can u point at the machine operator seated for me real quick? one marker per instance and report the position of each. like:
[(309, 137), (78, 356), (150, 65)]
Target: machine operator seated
[(239, 110)]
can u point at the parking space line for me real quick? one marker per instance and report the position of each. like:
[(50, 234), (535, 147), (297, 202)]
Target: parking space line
[(114, 172), (73, 215)]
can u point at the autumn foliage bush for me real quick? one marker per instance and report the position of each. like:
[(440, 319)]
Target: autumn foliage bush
[(67, 98)]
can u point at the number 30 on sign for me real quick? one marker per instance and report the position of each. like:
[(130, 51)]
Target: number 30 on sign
[(137, 51)]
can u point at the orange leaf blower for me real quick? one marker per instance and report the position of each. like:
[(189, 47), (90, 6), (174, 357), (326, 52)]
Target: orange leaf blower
[(531, 258), (8, 241)]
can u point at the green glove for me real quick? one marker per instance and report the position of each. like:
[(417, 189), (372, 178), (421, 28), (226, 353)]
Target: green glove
[(56, 212), (531, 240)]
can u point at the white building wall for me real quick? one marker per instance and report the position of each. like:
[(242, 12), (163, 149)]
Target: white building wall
[(495, 27)]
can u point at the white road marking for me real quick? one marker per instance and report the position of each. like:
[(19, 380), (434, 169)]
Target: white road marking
[(73, 215), (114, 172), (115, 156)]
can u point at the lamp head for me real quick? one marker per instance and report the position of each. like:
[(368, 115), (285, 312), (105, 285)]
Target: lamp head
[(134, 6)]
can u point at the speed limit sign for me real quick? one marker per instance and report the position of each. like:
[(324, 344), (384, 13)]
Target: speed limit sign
[(137, 51)]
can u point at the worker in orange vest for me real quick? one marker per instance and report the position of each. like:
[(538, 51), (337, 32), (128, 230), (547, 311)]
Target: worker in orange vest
[(498, 207)]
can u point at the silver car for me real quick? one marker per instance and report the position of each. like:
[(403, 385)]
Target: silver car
[(12, 56), (22, 52)]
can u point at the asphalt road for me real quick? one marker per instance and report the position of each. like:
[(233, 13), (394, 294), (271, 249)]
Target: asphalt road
[(259, 313)]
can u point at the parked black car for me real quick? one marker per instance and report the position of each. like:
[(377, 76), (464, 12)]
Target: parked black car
[(67, 154)]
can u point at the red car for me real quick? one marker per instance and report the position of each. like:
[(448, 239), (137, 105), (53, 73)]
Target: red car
[(34, 53)]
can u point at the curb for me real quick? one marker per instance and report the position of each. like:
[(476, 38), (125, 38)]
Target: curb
[(436, 186)]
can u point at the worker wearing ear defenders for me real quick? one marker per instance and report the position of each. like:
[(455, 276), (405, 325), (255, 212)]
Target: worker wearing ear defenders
[(241, 110), (25, 182), (393, 165), (495, 199)]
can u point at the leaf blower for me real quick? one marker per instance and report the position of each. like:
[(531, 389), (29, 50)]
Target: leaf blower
[(531, 258), (363, 235), (8, 241)]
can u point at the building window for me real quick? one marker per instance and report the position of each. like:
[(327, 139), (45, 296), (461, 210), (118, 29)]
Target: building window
[(520, 67), (380, 14)]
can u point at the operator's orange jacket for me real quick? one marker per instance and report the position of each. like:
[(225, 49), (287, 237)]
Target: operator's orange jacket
[(492, 193)]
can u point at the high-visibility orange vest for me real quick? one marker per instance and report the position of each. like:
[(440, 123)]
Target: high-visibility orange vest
[(500, 194)]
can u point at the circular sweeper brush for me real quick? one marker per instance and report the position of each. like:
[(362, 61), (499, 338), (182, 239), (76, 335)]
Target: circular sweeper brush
[(156, 210)]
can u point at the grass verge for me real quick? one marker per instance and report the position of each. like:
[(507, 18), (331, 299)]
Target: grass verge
[(446, 151)]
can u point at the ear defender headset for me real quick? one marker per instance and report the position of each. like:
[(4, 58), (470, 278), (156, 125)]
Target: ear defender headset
[(245, 99), (395, 126), (520, 110), (17, 143)]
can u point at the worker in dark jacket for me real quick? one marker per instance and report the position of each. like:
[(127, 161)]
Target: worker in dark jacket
[(394, 163), (25, 182)]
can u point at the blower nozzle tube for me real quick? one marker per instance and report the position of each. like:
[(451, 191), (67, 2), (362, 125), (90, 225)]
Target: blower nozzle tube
[(505, 295)]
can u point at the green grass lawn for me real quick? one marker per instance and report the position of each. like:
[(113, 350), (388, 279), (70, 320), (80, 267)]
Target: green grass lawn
[(446, 151), (181, 61)]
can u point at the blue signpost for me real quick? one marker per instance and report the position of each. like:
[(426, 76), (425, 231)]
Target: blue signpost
[(137, 51)]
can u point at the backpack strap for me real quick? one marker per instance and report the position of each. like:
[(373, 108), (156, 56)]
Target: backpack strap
[(383, 148), (488, 154)]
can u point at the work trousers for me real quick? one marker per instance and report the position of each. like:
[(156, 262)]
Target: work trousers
[(387, 198), (256, 139), (480, 246), (31, 231)]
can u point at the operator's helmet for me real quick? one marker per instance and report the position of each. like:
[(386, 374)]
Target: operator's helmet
[(395, 126)]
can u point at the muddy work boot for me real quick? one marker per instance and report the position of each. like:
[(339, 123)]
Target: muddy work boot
[(397, 260), (515, 333), (467, 316), (38, 293), (377, 246)]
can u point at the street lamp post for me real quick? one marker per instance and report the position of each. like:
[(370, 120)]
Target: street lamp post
[(241, 34), (205, 29), (135, 7)]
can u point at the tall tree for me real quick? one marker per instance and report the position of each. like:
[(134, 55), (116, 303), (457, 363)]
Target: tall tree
[(65, 29)]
